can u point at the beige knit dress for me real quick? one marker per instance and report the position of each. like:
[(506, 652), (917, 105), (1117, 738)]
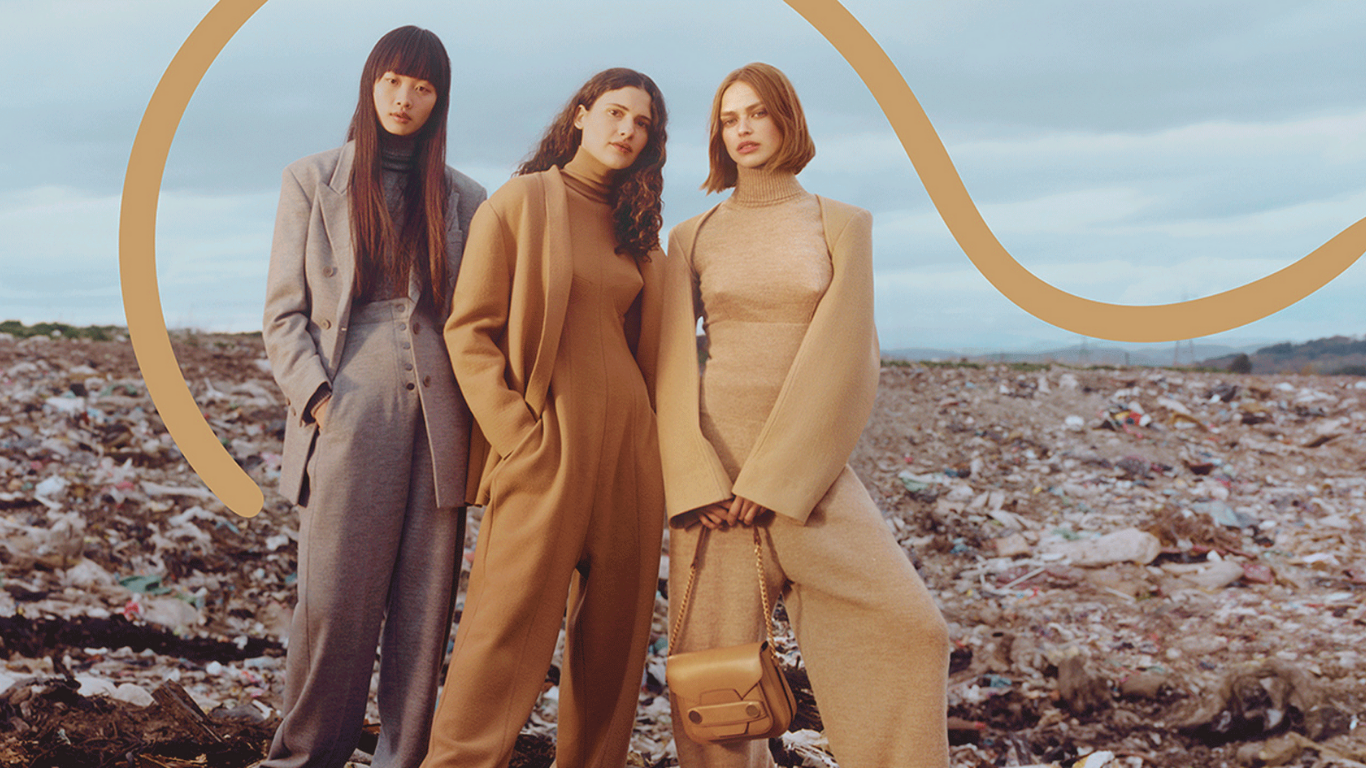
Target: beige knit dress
[(762, 268), (874, 643)]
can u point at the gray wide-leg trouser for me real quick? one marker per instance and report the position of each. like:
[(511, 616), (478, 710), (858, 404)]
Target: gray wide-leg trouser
[(374, 552)]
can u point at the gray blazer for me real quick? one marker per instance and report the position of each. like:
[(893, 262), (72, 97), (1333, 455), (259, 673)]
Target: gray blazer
[(308, 304)]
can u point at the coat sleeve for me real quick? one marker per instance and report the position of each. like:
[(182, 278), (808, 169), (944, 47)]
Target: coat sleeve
[(293, 352), (828, 394), (478, 326), (693, 474)]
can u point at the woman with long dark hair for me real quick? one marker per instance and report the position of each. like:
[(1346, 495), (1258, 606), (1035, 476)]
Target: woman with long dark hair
[(367, 247), (552, 333), (783, 281)]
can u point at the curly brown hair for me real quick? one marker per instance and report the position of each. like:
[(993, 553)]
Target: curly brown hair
[(635, 198)]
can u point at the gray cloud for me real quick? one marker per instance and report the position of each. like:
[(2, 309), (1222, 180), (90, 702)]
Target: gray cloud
[(1131, 153)]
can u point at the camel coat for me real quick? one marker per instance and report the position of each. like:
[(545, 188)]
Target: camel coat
[(825, 400), (507, 382), (308, 306)]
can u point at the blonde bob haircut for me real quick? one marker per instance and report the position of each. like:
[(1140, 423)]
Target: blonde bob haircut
[(780, 98)]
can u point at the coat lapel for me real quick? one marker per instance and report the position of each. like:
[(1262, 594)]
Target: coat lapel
[(336, 213), (558, 267)]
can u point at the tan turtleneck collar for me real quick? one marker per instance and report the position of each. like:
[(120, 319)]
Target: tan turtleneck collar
[(588, 176), (756, 187)]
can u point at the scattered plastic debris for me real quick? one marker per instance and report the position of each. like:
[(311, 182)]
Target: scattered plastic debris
[(1140, 568)]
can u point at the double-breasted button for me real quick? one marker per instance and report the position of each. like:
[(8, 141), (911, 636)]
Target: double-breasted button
[(406, 345), (401, 326), (426, 381), (329, 271), (409, 385), (326, 323), (416, 327), (407, 366)]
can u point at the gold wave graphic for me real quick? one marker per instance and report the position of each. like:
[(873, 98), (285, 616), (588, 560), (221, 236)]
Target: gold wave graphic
[(137, 259)]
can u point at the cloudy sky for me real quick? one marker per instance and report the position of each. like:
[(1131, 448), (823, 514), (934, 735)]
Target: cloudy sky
[(1131, 153)]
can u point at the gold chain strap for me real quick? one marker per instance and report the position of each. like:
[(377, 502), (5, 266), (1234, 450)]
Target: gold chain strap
[(687, 593), (692, 578), (763, 590)]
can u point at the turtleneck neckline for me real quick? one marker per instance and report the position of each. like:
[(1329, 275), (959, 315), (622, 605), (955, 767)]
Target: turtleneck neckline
[(588, 176), (756, 187), (397, 155)]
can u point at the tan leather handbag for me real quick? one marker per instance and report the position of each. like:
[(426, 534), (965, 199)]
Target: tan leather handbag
[(735, 693)]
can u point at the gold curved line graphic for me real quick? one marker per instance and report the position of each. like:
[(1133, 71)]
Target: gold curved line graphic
[(137, 260), (1164, 322), (1117, 322)]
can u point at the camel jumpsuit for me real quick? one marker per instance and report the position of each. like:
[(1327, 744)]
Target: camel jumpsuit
[(589, 532)]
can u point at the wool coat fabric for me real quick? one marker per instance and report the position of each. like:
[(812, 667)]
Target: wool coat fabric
[(508, 384), (308, 306)]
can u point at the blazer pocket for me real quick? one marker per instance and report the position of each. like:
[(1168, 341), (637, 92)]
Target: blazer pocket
[(537, 428), (299, 445), (519, 450)]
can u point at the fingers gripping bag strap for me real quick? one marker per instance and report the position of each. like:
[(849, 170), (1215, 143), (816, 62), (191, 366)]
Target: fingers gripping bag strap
[(733, 693)]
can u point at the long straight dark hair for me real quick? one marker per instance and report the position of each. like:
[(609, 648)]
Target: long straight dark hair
[(635, 198), (387, 252)]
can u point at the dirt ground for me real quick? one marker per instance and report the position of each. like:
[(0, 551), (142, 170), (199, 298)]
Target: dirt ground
[(1140, 567)]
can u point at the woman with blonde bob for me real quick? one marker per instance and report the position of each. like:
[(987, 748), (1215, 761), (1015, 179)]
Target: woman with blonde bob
[(783, 282), (548, 336)]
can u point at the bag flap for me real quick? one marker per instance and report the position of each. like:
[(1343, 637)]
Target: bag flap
[(717, 675)]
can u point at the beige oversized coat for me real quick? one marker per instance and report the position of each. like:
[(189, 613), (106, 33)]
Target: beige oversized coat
[(508, 312), (308, 305), (823, 405)]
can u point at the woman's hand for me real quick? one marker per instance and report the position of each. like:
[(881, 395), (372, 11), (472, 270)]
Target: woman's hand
[(744, 512), (736, 511), (716, 516), (320, 411)]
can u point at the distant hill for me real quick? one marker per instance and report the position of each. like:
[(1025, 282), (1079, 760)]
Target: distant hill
[(1333, 355), (920, 354), (1336, 355), (1184, 353)]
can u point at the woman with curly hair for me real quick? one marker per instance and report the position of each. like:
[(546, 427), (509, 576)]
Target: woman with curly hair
[(757, 448), (552, 335), (366, 251)]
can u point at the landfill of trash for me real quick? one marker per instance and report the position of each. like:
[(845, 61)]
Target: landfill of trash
[(1140, 567)]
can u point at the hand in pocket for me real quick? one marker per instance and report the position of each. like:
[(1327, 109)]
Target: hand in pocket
[(320, 411)]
